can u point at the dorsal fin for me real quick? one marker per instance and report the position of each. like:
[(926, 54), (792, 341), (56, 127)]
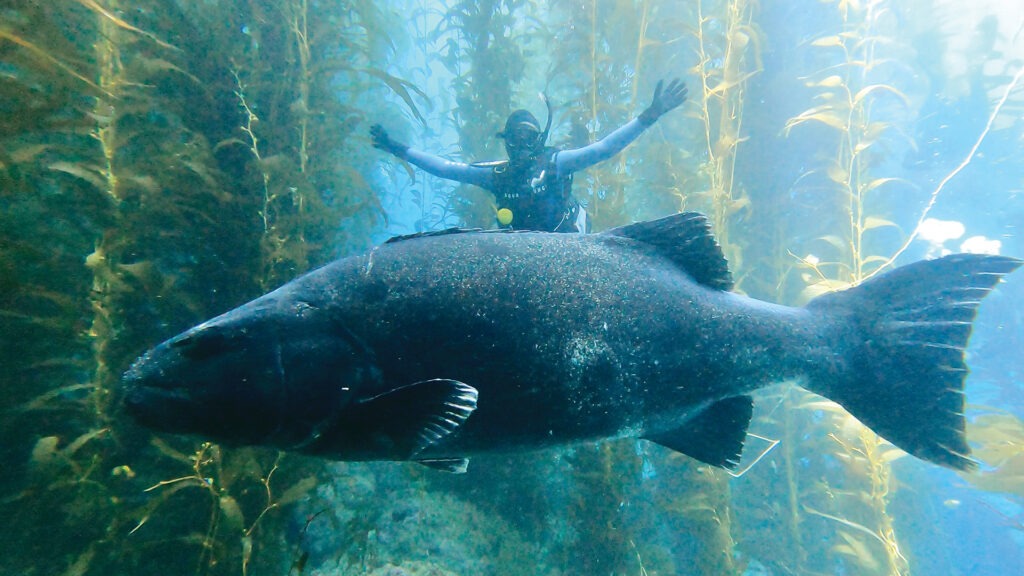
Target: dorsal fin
[(687, 241), (450, 231), (444, 232)]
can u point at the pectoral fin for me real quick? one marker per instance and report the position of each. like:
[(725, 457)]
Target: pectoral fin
[(715, 435), (418, 416)]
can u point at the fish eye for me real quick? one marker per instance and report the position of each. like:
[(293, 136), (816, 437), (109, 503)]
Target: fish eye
[(202, 344)]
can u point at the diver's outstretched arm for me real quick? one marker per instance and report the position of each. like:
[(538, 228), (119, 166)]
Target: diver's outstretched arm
[(479, 175), (664, 101), (572, 160)]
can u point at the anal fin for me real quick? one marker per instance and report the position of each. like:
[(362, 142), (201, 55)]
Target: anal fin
[(715, 435)]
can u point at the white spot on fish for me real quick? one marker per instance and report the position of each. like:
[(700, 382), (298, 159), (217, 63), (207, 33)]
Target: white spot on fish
[(369, 261)]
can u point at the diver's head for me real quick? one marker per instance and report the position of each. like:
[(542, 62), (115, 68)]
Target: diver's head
[(522, 135)]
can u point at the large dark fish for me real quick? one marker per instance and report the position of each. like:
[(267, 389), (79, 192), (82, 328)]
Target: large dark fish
[(437, 346)]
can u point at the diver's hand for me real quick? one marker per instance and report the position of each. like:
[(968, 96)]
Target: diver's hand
[(381, 140), (664, 101)]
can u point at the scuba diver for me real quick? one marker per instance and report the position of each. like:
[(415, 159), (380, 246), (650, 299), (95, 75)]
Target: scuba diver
[(533, 188)]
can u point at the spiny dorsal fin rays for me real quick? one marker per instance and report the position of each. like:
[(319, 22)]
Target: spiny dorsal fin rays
[(686, 240)]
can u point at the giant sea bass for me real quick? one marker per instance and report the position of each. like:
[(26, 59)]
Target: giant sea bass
[(438, 346)]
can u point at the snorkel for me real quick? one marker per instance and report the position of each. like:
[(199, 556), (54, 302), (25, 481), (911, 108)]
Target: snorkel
[(547, 124)]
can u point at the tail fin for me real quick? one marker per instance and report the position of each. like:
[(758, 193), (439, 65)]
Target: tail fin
[(907, 367)]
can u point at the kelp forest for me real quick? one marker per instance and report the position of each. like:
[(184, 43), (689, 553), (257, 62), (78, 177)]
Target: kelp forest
[(163, 161)]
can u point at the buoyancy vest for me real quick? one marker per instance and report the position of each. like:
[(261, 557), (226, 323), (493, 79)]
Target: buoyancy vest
[(537, 197)]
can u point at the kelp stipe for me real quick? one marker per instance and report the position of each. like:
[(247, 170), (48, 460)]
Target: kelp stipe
[(609, 64), (736, 46), (727, 46), (861, 114), (284, 87), (484, 55), (234, 512), (595, 92), (488, 66), (151, 227), (702, 176), (73, 194), (615, 55), (295, 209)]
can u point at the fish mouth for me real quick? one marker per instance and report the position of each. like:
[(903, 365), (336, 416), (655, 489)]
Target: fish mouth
[(161, 407)]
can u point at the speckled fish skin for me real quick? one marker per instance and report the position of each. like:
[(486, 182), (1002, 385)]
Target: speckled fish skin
[(446, 345), (566, 337)]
